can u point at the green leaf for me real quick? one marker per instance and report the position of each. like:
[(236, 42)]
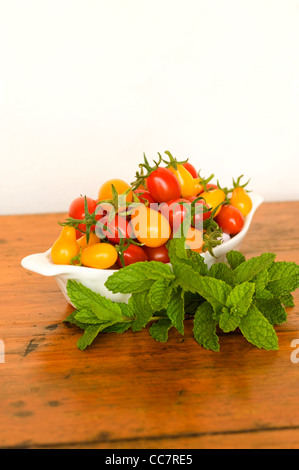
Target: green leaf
[(159, 330), (85, 299), (287, 300), (142, 308), (159, 294), (205, 327), (223, 272), (192, 302), (272, 310), (235, 258), (215, 291), (86, 316), (179, 254), (240, 298), (283, 278), (257, 329), (89, 335), (118, 327), (260, 280), (228, 320), (72, 319), (250, 268), (138, 277), (175, 310)]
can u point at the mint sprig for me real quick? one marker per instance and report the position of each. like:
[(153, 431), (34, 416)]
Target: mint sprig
[(250, 295)]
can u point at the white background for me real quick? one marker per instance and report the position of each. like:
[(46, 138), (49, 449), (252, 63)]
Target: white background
[(87, 86)]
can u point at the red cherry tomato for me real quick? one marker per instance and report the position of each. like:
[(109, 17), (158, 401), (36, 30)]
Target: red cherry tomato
[(144, 196), (159, 253), (175, 212), (191, 169), (230, 219), (201, 214), (115, 229), (133, 254), (77, 210), (163, 185)]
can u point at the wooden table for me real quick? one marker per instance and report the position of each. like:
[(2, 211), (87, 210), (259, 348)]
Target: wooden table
[(128, 391)]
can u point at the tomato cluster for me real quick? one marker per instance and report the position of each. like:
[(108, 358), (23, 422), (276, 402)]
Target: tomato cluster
[(133, 222)]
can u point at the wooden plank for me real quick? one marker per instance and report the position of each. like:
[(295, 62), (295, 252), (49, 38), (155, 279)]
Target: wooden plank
[(128, 391)]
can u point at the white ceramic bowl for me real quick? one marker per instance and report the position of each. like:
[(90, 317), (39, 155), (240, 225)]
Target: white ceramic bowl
[(41, 263)]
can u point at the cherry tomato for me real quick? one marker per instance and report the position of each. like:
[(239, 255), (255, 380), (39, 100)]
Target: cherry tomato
[(105, 191), (188, 184), (160, 253), (203, 214), (230, 219), (144, 196), (213, 198), (149, 226), (163, 185), (194, 240), (77, 210), (82, 242), (191, 169), (133, 254), (65, 247), (100, 256), (241, 201), (115, 229), (175, 212)]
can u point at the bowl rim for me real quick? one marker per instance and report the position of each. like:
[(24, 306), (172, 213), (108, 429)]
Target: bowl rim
[(41, 263)]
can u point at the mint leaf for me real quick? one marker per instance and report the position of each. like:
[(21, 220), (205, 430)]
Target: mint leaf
[(228, 320), (204, 328), (118, 327), (250, 268), (159, 330), (283, 277), (240, 298), (140, 303), (176, 250), (89, 335), (287, 300), (257, 330), (272, 310), (86, 316), (159, 294), (92, 305), (72, 319), (175, 310), (138, 277), (215, 291), (261, 280), (223, 272), (235, 258)]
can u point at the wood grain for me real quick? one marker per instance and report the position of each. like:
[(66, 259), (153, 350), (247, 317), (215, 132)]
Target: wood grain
[(128, 391)]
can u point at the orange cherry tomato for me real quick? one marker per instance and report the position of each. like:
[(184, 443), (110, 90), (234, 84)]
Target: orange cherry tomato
[(65, 247), (194, 239), (241, 201), (99, 255), (105, 191), (213, 198), (149, 226), (82, 242)]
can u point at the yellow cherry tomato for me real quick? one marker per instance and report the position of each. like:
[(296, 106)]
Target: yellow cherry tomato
[(82, 242), (213, 198), (194, 239), (188, 184), (99, 255), (241, 200), (65, 247), (150, 227), (105, 191)]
